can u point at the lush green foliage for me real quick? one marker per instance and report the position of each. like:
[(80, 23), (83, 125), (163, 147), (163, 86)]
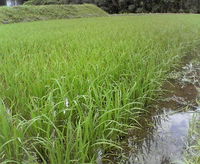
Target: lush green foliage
[(138, 6), (32, 13), (71, 87)]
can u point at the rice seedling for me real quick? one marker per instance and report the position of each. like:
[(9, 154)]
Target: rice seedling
[(192, 155)]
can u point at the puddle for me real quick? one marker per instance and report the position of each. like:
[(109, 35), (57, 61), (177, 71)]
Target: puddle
[(165, 144), (163, 136)]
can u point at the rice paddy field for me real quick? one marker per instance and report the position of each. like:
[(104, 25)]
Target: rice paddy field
[(69, 88)]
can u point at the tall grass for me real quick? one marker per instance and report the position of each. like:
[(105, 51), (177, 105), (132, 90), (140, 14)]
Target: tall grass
[(71, 87)]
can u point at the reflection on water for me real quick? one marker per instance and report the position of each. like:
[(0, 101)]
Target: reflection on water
[(166, 143)]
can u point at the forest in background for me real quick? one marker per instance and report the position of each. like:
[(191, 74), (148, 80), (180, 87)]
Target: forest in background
[(133, 6)]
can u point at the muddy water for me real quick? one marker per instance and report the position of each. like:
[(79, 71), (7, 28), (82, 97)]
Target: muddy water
[(164, 132)]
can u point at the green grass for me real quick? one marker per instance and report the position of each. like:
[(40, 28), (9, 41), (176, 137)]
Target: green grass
[(32, 13), (108, 69), (192, 156)]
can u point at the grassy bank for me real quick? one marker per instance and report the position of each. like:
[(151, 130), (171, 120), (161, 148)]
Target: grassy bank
[(47, 12), (70, 88)]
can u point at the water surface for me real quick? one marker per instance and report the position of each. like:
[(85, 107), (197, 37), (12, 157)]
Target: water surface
[(164, 134)]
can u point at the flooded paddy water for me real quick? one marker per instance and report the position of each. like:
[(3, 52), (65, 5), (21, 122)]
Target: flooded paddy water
[(164, 133)]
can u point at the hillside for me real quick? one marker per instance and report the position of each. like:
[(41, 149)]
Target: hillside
[(47, 12)]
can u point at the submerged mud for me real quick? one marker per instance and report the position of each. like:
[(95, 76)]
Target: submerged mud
[(164, 130)]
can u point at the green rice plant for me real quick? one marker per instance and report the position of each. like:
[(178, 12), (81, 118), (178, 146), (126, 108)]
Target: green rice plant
[(75, 86), (192, 155), (13, 146)]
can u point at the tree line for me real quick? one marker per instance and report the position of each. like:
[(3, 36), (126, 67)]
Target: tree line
[(2, 2), (133, 6)]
